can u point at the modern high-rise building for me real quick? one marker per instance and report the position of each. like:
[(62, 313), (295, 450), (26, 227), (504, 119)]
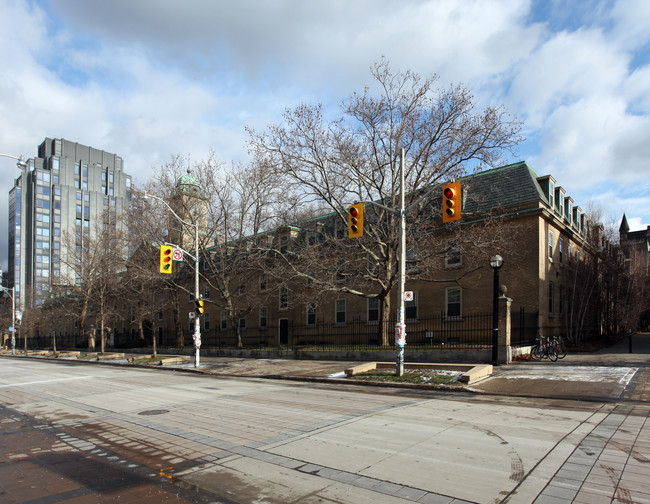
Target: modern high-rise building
[(65, 191)]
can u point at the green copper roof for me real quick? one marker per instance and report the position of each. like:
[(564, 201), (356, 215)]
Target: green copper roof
[(189, 184)]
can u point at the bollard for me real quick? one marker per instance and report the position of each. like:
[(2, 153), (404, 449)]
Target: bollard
[(630, 339)]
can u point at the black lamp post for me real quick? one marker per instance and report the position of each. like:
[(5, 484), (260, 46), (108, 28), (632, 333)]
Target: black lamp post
[(495, 262)]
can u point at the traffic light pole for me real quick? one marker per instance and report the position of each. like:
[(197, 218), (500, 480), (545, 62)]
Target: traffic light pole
[(197, 324), (400, 326), (13, 314)]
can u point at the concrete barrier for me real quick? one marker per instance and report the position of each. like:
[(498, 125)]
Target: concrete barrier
[(471, 372)]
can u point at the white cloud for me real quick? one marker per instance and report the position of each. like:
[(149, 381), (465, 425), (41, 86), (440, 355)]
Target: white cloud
[(154, 78), (567, 68), (632, 19)]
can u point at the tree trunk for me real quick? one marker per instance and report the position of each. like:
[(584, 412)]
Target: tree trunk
[(101, 333), (384, 320)]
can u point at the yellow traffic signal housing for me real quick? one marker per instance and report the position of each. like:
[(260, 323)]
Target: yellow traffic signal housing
[(355, 220), (165, 259), (199, 306), (451, 202)]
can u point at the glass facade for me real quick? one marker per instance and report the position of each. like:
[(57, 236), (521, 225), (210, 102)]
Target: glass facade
[(62, 190)]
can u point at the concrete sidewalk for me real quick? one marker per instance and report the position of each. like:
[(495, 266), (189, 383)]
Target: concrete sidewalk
[(275, 443), (610, 374)]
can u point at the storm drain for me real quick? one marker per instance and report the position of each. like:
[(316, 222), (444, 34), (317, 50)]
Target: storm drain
[(154, 412)]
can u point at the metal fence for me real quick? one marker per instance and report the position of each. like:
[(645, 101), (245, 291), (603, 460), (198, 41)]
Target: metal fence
[(524, 327), (469, 332), (472, 331)]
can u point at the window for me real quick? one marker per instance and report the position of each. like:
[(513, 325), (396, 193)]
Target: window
[(242, 286), (311, 314), (550, 245), (242, 322), (264, 318), (160, 315), (340, 311), (206, 321), (206, 292), (411, 308), (550, 297), (373, 310), (263, 283), (224, 320), (284, 298), (560, 247), (453, 302), (452, 255), (560, 305)]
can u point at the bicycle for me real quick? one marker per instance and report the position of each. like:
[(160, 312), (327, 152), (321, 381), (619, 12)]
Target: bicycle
[(543, 348), (559, 347)]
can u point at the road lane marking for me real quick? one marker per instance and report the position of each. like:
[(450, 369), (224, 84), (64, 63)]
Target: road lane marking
[(45, 381)]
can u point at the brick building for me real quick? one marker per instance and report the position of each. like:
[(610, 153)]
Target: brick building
[(545, 240), (550, 250)]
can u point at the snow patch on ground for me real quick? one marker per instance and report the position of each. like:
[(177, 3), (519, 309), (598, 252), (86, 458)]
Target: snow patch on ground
[(621, 375)]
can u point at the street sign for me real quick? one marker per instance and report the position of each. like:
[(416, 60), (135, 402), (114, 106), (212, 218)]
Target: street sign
[(192, 315), (177, 254), (408, 296)]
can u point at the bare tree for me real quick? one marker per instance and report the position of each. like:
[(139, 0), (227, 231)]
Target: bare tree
[(231, 207), (356, 158), (92, 265)]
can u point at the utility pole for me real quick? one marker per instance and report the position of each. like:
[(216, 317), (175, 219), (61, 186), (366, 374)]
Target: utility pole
[(13, 314), (400, 326), (197, 325)]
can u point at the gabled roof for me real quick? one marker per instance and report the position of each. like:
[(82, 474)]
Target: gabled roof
[(512, 186), (507, 186)]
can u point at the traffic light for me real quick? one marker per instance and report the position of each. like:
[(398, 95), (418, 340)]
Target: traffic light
[(165, 259), (355, 220), (199, 307), (451, 202)]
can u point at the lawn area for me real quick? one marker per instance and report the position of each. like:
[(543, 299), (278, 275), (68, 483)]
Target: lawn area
[(416, 376)]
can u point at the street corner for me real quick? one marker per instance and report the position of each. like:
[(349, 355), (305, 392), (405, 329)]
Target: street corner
[(553, 381)]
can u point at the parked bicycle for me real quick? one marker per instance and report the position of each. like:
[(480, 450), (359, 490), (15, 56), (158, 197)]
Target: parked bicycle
[(559, 347), (542, 349)]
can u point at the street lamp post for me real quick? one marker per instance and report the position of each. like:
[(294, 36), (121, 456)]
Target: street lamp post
[(495, 262), (13, 315), (22, 164), (197, 324)]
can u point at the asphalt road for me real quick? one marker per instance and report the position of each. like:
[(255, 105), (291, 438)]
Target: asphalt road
[(82, 433)]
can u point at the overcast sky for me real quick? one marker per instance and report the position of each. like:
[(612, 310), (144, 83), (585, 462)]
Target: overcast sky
[(148, 79)]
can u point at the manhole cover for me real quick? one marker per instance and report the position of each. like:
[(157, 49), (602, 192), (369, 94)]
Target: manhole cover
[(154, 412)]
